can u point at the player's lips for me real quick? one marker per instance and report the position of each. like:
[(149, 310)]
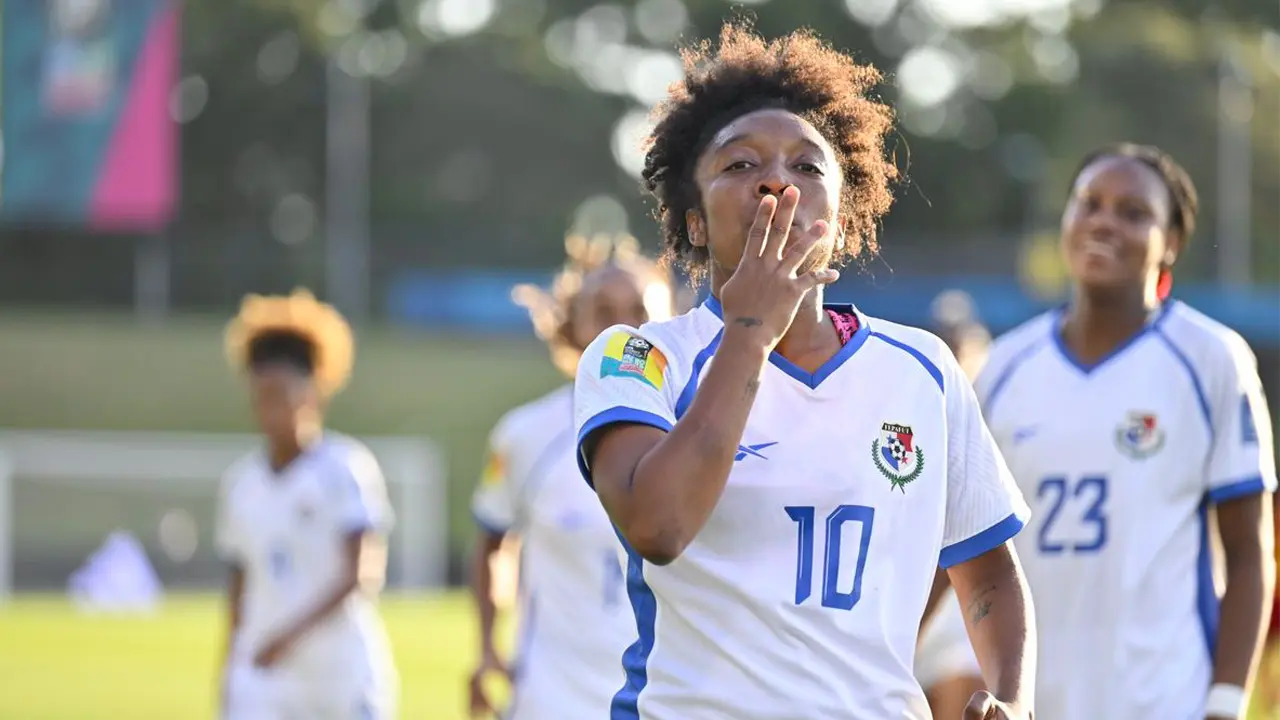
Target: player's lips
[(1098, 248)]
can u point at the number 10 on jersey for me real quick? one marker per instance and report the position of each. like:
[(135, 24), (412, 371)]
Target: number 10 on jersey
[(840, 532)]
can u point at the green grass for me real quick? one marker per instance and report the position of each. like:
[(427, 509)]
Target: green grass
[(59, 664)]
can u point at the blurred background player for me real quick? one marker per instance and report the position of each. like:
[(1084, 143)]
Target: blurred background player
[(749, 450), (946, 666), (303, 522), (1128, 418), (574, 615)]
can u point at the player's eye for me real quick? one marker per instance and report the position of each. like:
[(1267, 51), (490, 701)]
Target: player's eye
[(737, 165), (809, 168)]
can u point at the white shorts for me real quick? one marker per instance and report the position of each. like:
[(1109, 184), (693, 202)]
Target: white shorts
[(255, 694), (944, 651)]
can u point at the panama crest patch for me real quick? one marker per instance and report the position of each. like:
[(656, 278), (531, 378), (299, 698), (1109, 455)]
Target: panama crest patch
[(897, 455), (1140, 435)]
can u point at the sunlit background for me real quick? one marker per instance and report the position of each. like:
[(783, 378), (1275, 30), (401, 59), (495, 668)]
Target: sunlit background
[(411, 160)]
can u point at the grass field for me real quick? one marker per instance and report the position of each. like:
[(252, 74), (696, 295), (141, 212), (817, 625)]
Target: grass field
[(58, 664)]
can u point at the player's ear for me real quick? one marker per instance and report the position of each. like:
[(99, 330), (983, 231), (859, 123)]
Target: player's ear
[(1173, 245), (696, 227)]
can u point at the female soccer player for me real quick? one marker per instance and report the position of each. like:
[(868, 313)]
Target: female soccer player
[(1134, 422), (787, 476), (574, 617), (302, 521)]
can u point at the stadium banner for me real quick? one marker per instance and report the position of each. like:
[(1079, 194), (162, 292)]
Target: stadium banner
[(89, 141)]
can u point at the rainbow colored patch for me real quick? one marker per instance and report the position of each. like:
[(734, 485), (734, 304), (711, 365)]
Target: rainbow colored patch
[(626, 355)]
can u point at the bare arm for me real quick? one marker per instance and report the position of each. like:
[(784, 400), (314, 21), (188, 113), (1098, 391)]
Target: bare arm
[(1245, 525), (660, 488), (487, 546), (998, 612), (235, 593)]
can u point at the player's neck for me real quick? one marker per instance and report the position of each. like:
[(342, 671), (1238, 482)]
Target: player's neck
[(1098, 323), (812, 339), (283, 451)]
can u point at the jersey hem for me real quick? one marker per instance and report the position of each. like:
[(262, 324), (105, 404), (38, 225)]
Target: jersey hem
[(611, 416), (983, 542), (1237, 489), (493, 528)]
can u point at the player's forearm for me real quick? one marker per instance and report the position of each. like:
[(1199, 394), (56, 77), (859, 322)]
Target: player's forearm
[(1000, 618), (678, 482), (482, 586), (1243, 616), (235, 591), (325, 606)]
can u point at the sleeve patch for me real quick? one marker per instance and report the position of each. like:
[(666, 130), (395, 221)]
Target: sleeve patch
[(629, 356), (1248, 429), (495, 469)]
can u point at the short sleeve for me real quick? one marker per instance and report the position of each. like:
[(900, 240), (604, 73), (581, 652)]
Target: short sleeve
[(493, 504), (1242, 459), (984, 506), (226, 536), (362, 503), (622, 378)]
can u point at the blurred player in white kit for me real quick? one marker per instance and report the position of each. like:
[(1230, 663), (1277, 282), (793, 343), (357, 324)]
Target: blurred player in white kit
[(575, 620), (302, 522)]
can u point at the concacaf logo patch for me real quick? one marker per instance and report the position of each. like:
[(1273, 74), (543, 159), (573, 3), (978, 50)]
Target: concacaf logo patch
[(897, 455), (495, 469), (626, 355), (1140, 435)]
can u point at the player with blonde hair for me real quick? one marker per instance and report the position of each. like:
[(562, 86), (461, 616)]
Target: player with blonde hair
[(574, 617), (302, 521)]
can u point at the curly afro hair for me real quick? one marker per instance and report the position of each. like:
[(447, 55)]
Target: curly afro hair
[(743, 73), (297, 330), (552, 311)]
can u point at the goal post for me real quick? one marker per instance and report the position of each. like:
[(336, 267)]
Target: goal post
[(63, 492)]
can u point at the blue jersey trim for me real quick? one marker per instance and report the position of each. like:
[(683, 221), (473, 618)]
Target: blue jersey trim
[(928, 364), (814, 379), (489, 526), (1207, 606), (618, 414), (985, 541), (1195, 381), (1153, 323), (635, 660), (1237, 489), (686, 395), (1017, 361)]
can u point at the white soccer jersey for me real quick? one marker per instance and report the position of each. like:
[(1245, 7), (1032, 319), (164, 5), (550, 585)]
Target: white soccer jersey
[(802, 595), (1122, 461), (287, 532), (574, 617)]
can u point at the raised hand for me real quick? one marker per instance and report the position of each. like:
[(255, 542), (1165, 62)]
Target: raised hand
[(984, 706), (766, 289)]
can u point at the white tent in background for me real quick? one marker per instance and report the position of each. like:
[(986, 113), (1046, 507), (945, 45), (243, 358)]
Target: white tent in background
[(117, 577)]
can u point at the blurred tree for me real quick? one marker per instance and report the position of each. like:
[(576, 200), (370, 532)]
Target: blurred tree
[(495, 120)]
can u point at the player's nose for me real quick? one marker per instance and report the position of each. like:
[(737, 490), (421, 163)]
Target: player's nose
[(772, 182)]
